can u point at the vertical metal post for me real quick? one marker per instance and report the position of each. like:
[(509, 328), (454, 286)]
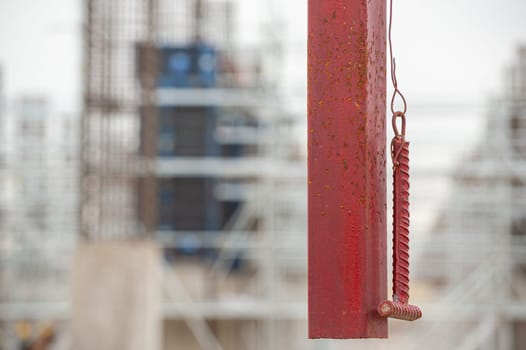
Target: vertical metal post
[(198, 20), (347, 168), (87, 42), (148, 184)]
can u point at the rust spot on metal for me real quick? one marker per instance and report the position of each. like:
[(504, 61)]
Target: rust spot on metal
[(362, 200)]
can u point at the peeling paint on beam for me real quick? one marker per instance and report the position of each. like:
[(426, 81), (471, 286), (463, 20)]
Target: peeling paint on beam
[(347, 190)]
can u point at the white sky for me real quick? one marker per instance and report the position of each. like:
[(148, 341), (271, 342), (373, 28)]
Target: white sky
[(456, 49), (447, 50), (40, 49)]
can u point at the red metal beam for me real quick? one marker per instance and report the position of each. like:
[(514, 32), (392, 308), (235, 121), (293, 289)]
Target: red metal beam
[(347, 191)]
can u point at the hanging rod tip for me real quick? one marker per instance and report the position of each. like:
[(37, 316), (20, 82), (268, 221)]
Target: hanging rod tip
[(399, 310)]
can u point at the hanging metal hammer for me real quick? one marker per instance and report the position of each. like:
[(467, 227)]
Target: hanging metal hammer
[(400, 308)]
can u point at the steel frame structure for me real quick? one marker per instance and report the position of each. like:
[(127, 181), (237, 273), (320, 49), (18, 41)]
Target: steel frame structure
[(347, 168), (112, 170)]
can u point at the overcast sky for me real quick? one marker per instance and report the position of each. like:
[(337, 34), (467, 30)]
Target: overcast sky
[(40, 49), (446, 49)]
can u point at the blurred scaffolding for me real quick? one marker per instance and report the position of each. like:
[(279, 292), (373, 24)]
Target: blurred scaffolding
[(185, 140), (472, 264), (39, 201)]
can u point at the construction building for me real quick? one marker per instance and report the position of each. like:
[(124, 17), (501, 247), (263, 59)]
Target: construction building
[(39, 211), (186, 143)]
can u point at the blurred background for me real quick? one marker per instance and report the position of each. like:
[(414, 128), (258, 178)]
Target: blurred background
[(153, 174)]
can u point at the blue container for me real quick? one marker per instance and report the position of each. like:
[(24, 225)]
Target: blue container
[(187, 132), (166, 140), (166, 202), (189, 204), (206, 59), (192, 66)]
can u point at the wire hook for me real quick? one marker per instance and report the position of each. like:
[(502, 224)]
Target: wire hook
[(393, 69), (400, 115)]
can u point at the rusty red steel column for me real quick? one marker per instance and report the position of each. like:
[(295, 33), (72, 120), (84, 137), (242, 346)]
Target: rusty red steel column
[(347, 168)]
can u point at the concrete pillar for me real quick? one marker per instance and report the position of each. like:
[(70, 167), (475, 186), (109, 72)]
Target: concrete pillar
[(117, 297)]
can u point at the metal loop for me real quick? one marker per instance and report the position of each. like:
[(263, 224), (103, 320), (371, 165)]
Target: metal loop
[(400, 115), (393, 99)]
